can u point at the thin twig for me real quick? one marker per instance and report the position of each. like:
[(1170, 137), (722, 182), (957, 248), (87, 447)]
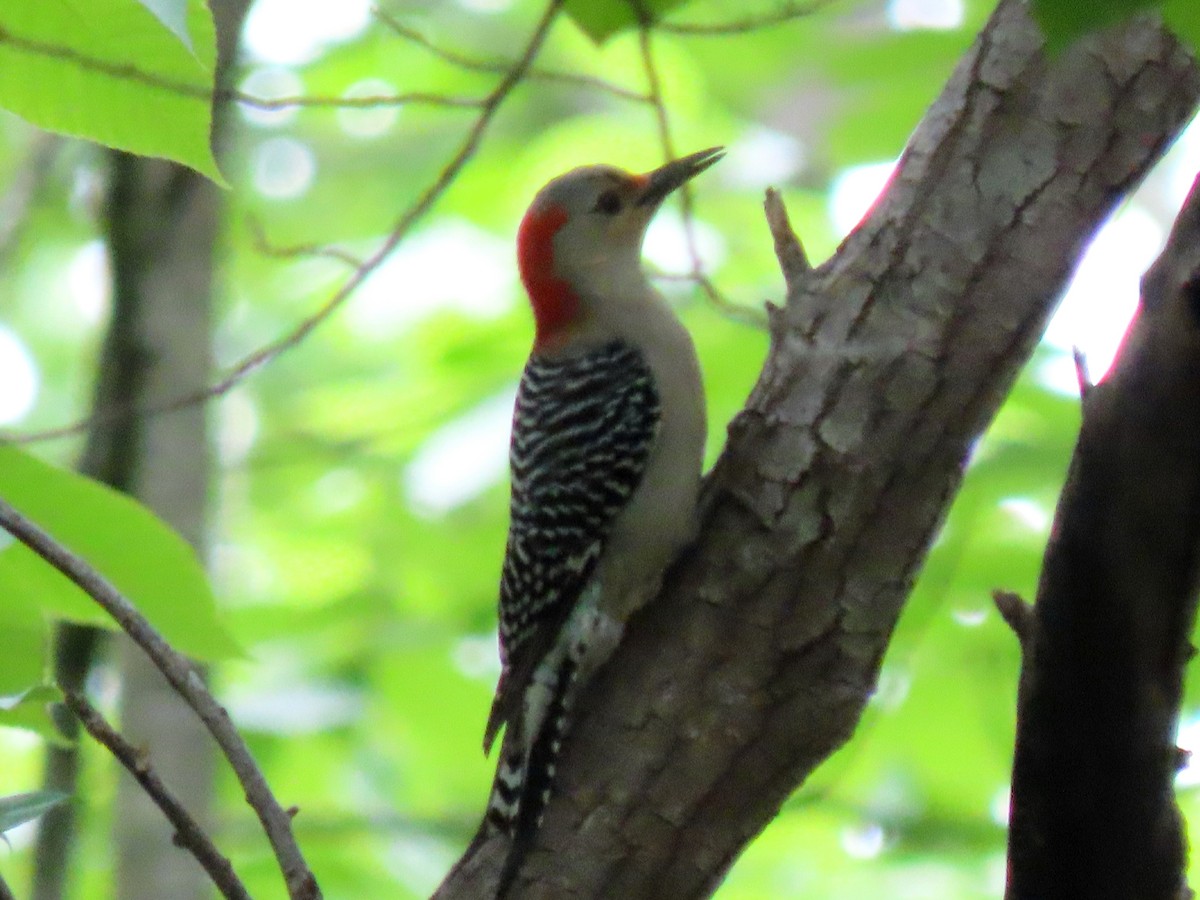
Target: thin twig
[(786, 13), (1017, 614), (654, 92), (499, 67), (793, 262), (404, 224), (373, 101), (276, 822), (293, 251), (1081, 372), (188, 833), (788, 249)]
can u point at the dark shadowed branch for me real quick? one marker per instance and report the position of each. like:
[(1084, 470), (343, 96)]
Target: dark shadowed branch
[(1093, 809)]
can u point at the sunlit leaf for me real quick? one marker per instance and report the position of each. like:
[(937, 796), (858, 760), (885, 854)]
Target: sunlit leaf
[(30, 711), (601, 19), (144, 558), (19, 808), (173, 14), (112, 72)]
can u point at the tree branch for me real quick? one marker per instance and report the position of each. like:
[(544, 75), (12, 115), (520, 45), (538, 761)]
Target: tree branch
[(1093, 809), (654, 94), (787, 12), (500, 67), (758, 658), (265, 354), (189, 834), (276, 822)]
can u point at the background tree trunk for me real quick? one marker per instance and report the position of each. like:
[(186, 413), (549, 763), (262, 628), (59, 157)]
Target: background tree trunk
[(757, 659), (162, 226), (1105, 652)]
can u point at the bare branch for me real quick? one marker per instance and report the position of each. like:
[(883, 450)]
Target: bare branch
[(1093, 807), (793, 261), (719, 301), (264, 246), (374, 101), (499, 67), (1016, 613), (1081, 372), (788, 12), (189, 834), (276, 822), (260, 357)]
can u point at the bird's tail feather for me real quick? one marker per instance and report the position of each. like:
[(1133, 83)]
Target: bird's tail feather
[(531, 780)]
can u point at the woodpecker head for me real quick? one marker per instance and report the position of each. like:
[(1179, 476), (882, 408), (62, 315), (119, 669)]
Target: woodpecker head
[(582, 236)]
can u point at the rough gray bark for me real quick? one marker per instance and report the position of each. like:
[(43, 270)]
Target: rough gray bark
[(1106, 647), (755, 662)]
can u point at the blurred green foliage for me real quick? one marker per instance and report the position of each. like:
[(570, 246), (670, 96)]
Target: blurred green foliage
[(1063, 21), (359, 522)]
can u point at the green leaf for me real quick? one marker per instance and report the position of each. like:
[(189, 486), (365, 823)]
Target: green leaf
[(134, 549), (26, 635), (19, 808), (30, 710), (601, 19), (174, 15), (1183, 17), (111, 72), (1062, 21)]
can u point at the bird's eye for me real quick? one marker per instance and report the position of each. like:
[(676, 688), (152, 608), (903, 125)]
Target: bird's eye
[(608, 203)]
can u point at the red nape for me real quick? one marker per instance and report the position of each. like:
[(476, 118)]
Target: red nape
[(555, 305)]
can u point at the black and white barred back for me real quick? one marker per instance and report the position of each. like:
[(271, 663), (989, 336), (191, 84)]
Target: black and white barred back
[(583, 427)]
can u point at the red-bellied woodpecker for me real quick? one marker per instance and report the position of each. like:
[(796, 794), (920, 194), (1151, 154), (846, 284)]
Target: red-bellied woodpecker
[(607, 446)]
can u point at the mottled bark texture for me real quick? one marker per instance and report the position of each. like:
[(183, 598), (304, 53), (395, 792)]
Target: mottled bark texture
[(1093, 810), (756, 660)]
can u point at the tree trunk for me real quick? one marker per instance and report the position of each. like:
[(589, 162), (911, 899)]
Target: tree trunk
[(1106, 648), (162, 228), (755, 662), (163, 222)]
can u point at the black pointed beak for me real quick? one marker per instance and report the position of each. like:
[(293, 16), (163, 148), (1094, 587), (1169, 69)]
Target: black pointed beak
[(663, 180)]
